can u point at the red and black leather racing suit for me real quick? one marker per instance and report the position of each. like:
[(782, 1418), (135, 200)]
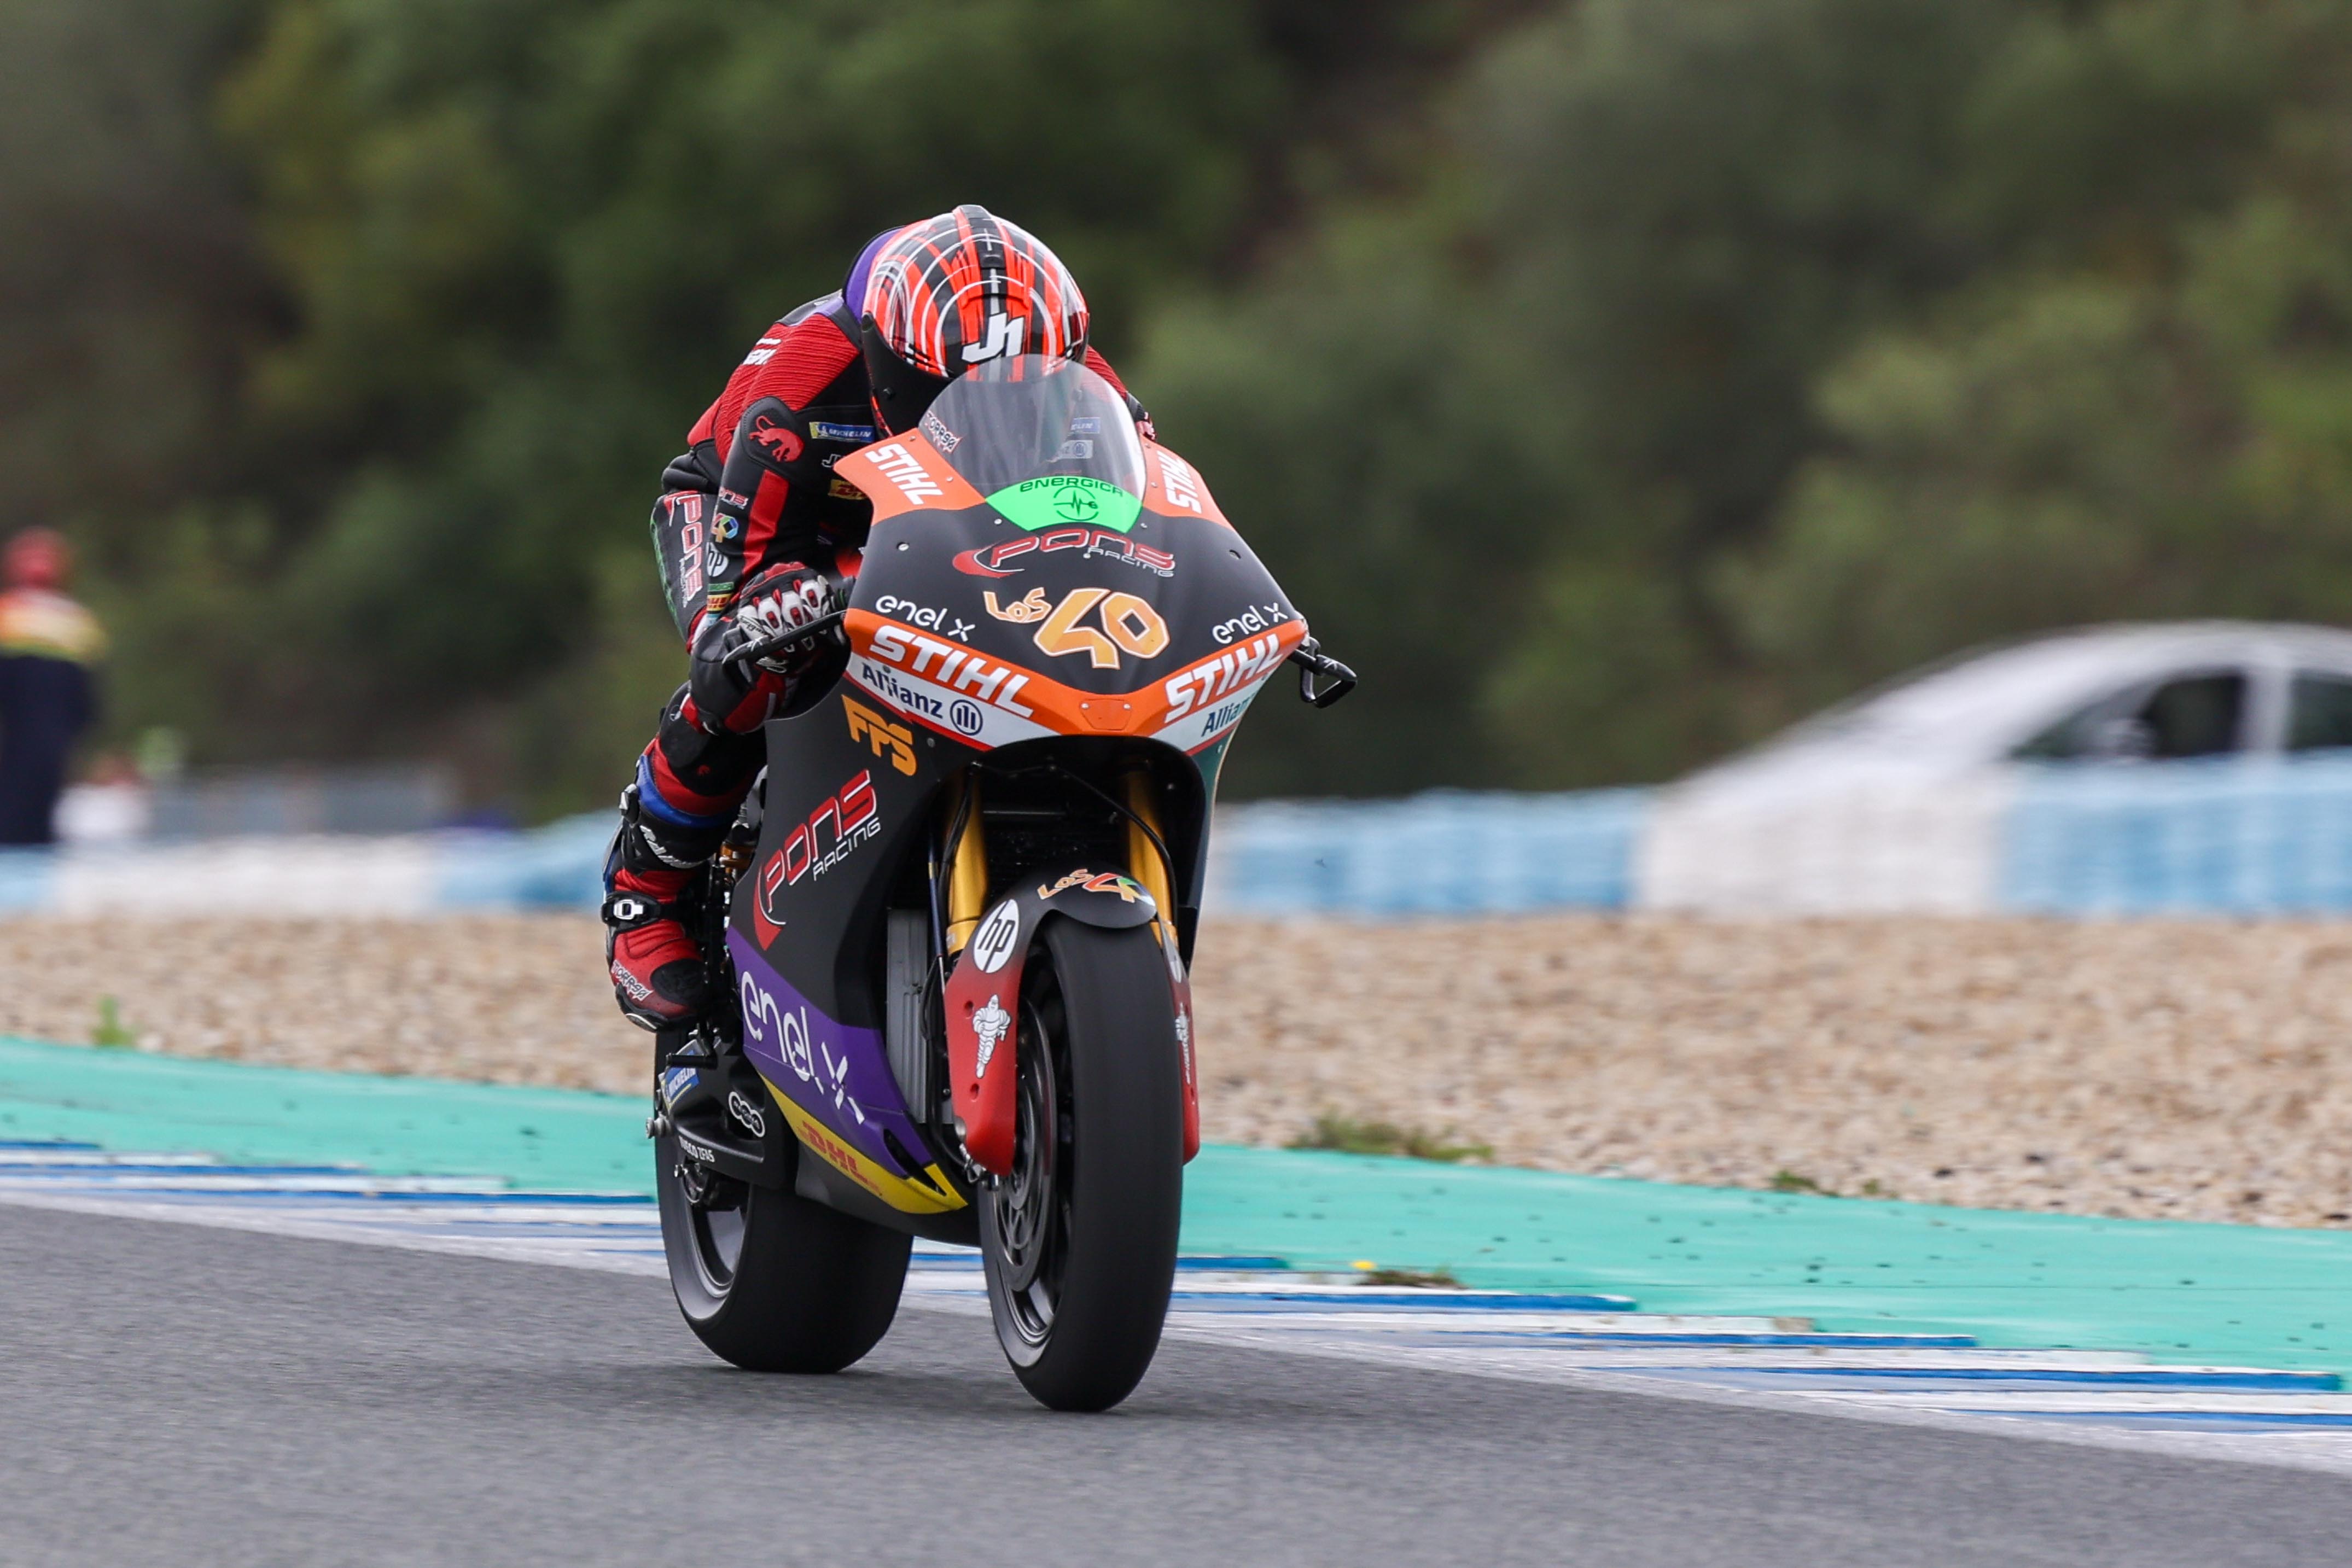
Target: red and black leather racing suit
[(752, 495), (753, 490)]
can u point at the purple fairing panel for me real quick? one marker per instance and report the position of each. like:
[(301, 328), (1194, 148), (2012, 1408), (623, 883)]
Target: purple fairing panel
[(836, 1073)]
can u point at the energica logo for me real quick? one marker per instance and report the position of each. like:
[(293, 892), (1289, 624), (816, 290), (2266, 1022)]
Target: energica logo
[(991, 944), (1059, 499), (964, 714)]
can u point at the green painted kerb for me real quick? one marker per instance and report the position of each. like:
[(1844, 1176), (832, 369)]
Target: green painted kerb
[(2181, 1292), (398, 1127)]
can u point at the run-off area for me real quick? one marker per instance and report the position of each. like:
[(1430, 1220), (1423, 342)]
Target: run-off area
[(2184, 1069)]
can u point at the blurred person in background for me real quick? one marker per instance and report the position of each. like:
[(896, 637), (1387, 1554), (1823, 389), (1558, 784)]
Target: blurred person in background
[(47, 692), (755, 537)]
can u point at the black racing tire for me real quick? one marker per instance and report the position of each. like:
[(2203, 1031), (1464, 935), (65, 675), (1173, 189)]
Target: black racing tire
[(1079, 1244), (773, 1282)]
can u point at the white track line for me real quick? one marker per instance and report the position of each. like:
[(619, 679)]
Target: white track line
[(2108, 1398)]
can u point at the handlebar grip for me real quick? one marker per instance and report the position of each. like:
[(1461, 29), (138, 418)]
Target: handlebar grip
[(754, 653)]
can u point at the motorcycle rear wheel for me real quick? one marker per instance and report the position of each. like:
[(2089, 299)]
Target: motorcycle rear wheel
[(769, 1281), (1079, 1242)]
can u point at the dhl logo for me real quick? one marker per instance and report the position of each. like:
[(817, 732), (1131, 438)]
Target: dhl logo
[(832, 1151)]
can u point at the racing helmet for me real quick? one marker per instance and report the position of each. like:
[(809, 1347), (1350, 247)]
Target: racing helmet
[(936, 298)]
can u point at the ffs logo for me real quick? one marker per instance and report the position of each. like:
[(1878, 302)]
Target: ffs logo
[(1126, 623), (813, 847), (896, 741)]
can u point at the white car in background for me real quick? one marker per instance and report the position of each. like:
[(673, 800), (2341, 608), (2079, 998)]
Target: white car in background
[(1894, 800)]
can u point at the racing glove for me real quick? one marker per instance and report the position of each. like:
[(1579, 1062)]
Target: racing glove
[(748, 665)]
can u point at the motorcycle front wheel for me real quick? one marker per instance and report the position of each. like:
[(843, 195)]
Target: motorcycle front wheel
[(1079, 1242), (769, 1281)]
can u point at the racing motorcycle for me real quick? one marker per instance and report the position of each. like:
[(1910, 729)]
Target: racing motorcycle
[(955, 918)]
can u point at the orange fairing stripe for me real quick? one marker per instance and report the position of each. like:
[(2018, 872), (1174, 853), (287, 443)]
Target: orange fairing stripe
[(1065, 710), (1174, 488), (907, 474)]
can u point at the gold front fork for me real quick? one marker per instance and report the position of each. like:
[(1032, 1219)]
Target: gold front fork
[(968, 859), (1143, 862), (966, 867)]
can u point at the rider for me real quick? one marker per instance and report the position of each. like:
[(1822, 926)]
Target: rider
[(756, 536)]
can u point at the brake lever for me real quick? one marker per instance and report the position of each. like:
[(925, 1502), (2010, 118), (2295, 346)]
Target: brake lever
[(1313, 662), (752, 655)]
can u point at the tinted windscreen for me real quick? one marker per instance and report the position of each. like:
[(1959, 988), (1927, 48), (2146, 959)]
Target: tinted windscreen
[(1047, 441)]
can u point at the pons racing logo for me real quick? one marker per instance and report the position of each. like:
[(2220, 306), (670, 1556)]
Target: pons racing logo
[(846, 819), (993, 560)]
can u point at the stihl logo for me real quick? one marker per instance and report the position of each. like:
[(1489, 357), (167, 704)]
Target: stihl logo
[(905, 470), (896, 741), (1241, 666), (958, 669), (1183, 486)]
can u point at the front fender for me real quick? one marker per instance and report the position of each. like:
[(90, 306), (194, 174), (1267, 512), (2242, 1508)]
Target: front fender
[(984, 994)]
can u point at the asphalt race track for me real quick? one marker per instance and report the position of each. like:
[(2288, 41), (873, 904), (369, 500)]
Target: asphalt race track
[(180, 1394)]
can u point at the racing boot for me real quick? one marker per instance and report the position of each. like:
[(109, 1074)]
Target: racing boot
[(659, 975)]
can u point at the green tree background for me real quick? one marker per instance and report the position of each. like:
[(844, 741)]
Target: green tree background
[(1610, 380)]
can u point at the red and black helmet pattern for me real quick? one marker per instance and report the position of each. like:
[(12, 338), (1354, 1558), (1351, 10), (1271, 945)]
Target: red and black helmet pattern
[(966, 286)]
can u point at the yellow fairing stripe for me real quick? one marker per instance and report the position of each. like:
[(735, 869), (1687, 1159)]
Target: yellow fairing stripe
[(906, 1197)]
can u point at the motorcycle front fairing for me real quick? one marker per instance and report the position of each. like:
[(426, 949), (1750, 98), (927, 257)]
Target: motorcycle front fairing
[(1039, 569)]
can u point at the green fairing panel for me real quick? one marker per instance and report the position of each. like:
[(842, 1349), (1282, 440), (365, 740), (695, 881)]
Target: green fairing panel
[(1060, 500)]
